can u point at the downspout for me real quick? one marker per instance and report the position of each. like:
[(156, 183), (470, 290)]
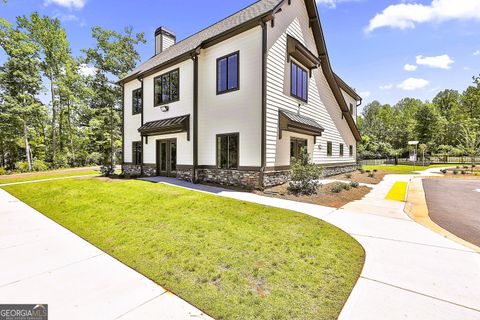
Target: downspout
[(141, 125), (264, 105), (195, 114)]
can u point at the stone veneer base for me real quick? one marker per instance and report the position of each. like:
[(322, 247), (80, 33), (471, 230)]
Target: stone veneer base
[(238, 178)]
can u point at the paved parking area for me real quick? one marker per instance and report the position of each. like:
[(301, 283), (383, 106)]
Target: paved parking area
[(454, 204)]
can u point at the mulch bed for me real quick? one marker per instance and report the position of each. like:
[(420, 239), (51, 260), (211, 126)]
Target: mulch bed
[(361, 177), (324, 196)]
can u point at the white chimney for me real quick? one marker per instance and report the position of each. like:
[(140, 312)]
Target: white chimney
[(164, 39)]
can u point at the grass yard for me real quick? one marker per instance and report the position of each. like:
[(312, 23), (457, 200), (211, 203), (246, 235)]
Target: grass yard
[(404, 169), (398, 191), (23, 177), (231, 259)]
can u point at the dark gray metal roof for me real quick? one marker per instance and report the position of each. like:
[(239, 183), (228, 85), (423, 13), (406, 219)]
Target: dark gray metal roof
[(302, 120), (191, 43), (163, 124)]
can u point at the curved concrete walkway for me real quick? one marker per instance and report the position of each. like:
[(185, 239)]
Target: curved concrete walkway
[(410, 271)]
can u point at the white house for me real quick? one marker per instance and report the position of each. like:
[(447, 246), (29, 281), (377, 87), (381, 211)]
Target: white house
[(233, 103)]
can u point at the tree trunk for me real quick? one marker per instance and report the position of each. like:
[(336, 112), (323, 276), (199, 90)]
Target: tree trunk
[(54, 121), (27, 146), (72, 149)]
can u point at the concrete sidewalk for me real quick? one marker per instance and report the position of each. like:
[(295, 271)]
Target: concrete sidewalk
[(44, 263), (410, 271)]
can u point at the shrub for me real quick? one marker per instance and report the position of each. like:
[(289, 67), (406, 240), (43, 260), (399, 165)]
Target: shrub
[(444, 171), (304, 175), (371, 175), (21, 166), (458, 167), (39, 165), (362, 171), (455, 171), (367, 171), (345, 186), (3, 171), (61, 161), (337, 189), (348, 175), (465, 167), (375, 170), (354, 184), (464, 172)]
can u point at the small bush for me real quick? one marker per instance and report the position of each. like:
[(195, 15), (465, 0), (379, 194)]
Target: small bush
[(304, 175), (458, 167), (362, 171), (3, 171), (348, 175), (455, 171), (371, 175), (464, 172), (367, 171), (354, 184), (465, 167), (337, 189), (345, 186), (375, 170), (444, 171), (39, 165), (21, 166)]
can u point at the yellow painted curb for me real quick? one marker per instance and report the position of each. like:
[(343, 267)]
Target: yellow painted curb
[(416, 208)]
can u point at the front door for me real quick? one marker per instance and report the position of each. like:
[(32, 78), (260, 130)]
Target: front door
[(167, 158)]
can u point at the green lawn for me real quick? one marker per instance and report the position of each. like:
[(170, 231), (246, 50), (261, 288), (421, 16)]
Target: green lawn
[(404, 169), (231, 259), (46, 175)]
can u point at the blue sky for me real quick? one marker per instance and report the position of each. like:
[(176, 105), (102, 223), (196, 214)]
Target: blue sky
[(370, 42)]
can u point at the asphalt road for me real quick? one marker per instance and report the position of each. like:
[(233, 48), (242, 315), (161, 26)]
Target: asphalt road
[(454, 204)]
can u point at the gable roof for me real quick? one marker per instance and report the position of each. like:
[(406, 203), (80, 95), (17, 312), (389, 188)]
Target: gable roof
[(345, 87), (262, 10)]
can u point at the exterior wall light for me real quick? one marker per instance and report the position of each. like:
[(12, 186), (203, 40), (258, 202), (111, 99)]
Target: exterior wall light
[(165, 108)]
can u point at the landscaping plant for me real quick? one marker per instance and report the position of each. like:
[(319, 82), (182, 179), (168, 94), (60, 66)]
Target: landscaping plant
[(304, 175)]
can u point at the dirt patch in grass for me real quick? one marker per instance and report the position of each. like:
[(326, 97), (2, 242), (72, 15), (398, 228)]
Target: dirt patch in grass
[(324, 196), (361, 177)]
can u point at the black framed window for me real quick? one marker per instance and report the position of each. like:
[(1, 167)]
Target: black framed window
[(329, 148), (341, 149), (351, 151), (137, 101), (228, 73), (299, 82), (137, 152), (227, 151), (167, 87), (351, 108), (296, 146)]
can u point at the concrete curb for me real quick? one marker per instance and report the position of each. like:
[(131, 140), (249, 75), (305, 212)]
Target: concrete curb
[(417, 209)]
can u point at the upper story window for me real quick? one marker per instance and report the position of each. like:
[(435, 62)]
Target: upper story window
[(329, 149), (341, 149), (228, 73), (351, 108), (351, 151), (299, 82), (167, 87), (227, 151), (137, 101)]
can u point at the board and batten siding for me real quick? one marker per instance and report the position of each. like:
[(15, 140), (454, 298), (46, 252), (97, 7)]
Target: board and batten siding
[(293, 20), (131, 122), (232, 112)]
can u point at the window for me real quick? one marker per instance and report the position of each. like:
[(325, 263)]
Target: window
[(227, 151), (167, 87), (137, 152), (299, 82), (351, 151), (228, 73), (351, 108), (296, 146), (137, 101), (329, 148), (341, 149)]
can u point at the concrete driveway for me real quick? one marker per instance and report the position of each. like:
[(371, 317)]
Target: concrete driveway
[(44, 263)]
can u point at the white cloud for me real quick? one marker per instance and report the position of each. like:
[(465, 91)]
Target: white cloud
[(408, 15), (71, 4), (410, 67), (365, 94), (476, 53), (386, 87), (66, 17), (441, 62), (86, 70), (333, 3), (412, 84)]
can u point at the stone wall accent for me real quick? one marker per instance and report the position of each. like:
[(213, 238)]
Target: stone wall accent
[(275, 178), (245, 179), (131, 170), (185, 174), (149, 170), (334, 170)]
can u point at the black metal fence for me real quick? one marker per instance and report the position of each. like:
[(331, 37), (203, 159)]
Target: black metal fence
[(428, 161)]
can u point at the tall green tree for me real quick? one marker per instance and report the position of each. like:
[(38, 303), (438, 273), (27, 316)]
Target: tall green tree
[(113, 56), (51, 38), (20, 81)]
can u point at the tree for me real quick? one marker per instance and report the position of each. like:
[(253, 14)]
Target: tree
[(470, 139), (113, 57), (21, 81), (51, 38), (427, 123)]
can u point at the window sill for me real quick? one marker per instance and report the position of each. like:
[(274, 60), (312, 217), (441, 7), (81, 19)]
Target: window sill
[(227, 91), (166, 103)]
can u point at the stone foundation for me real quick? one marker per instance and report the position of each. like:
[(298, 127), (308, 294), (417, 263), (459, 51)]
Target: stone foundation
[(334, 170), (245, 179), (131, 170), (149, 170), (275, 178), (185, 174)]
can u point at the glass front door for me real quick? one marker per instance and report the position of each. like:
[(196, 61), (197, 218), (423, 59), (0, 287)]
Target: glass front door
[(167, 158)]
